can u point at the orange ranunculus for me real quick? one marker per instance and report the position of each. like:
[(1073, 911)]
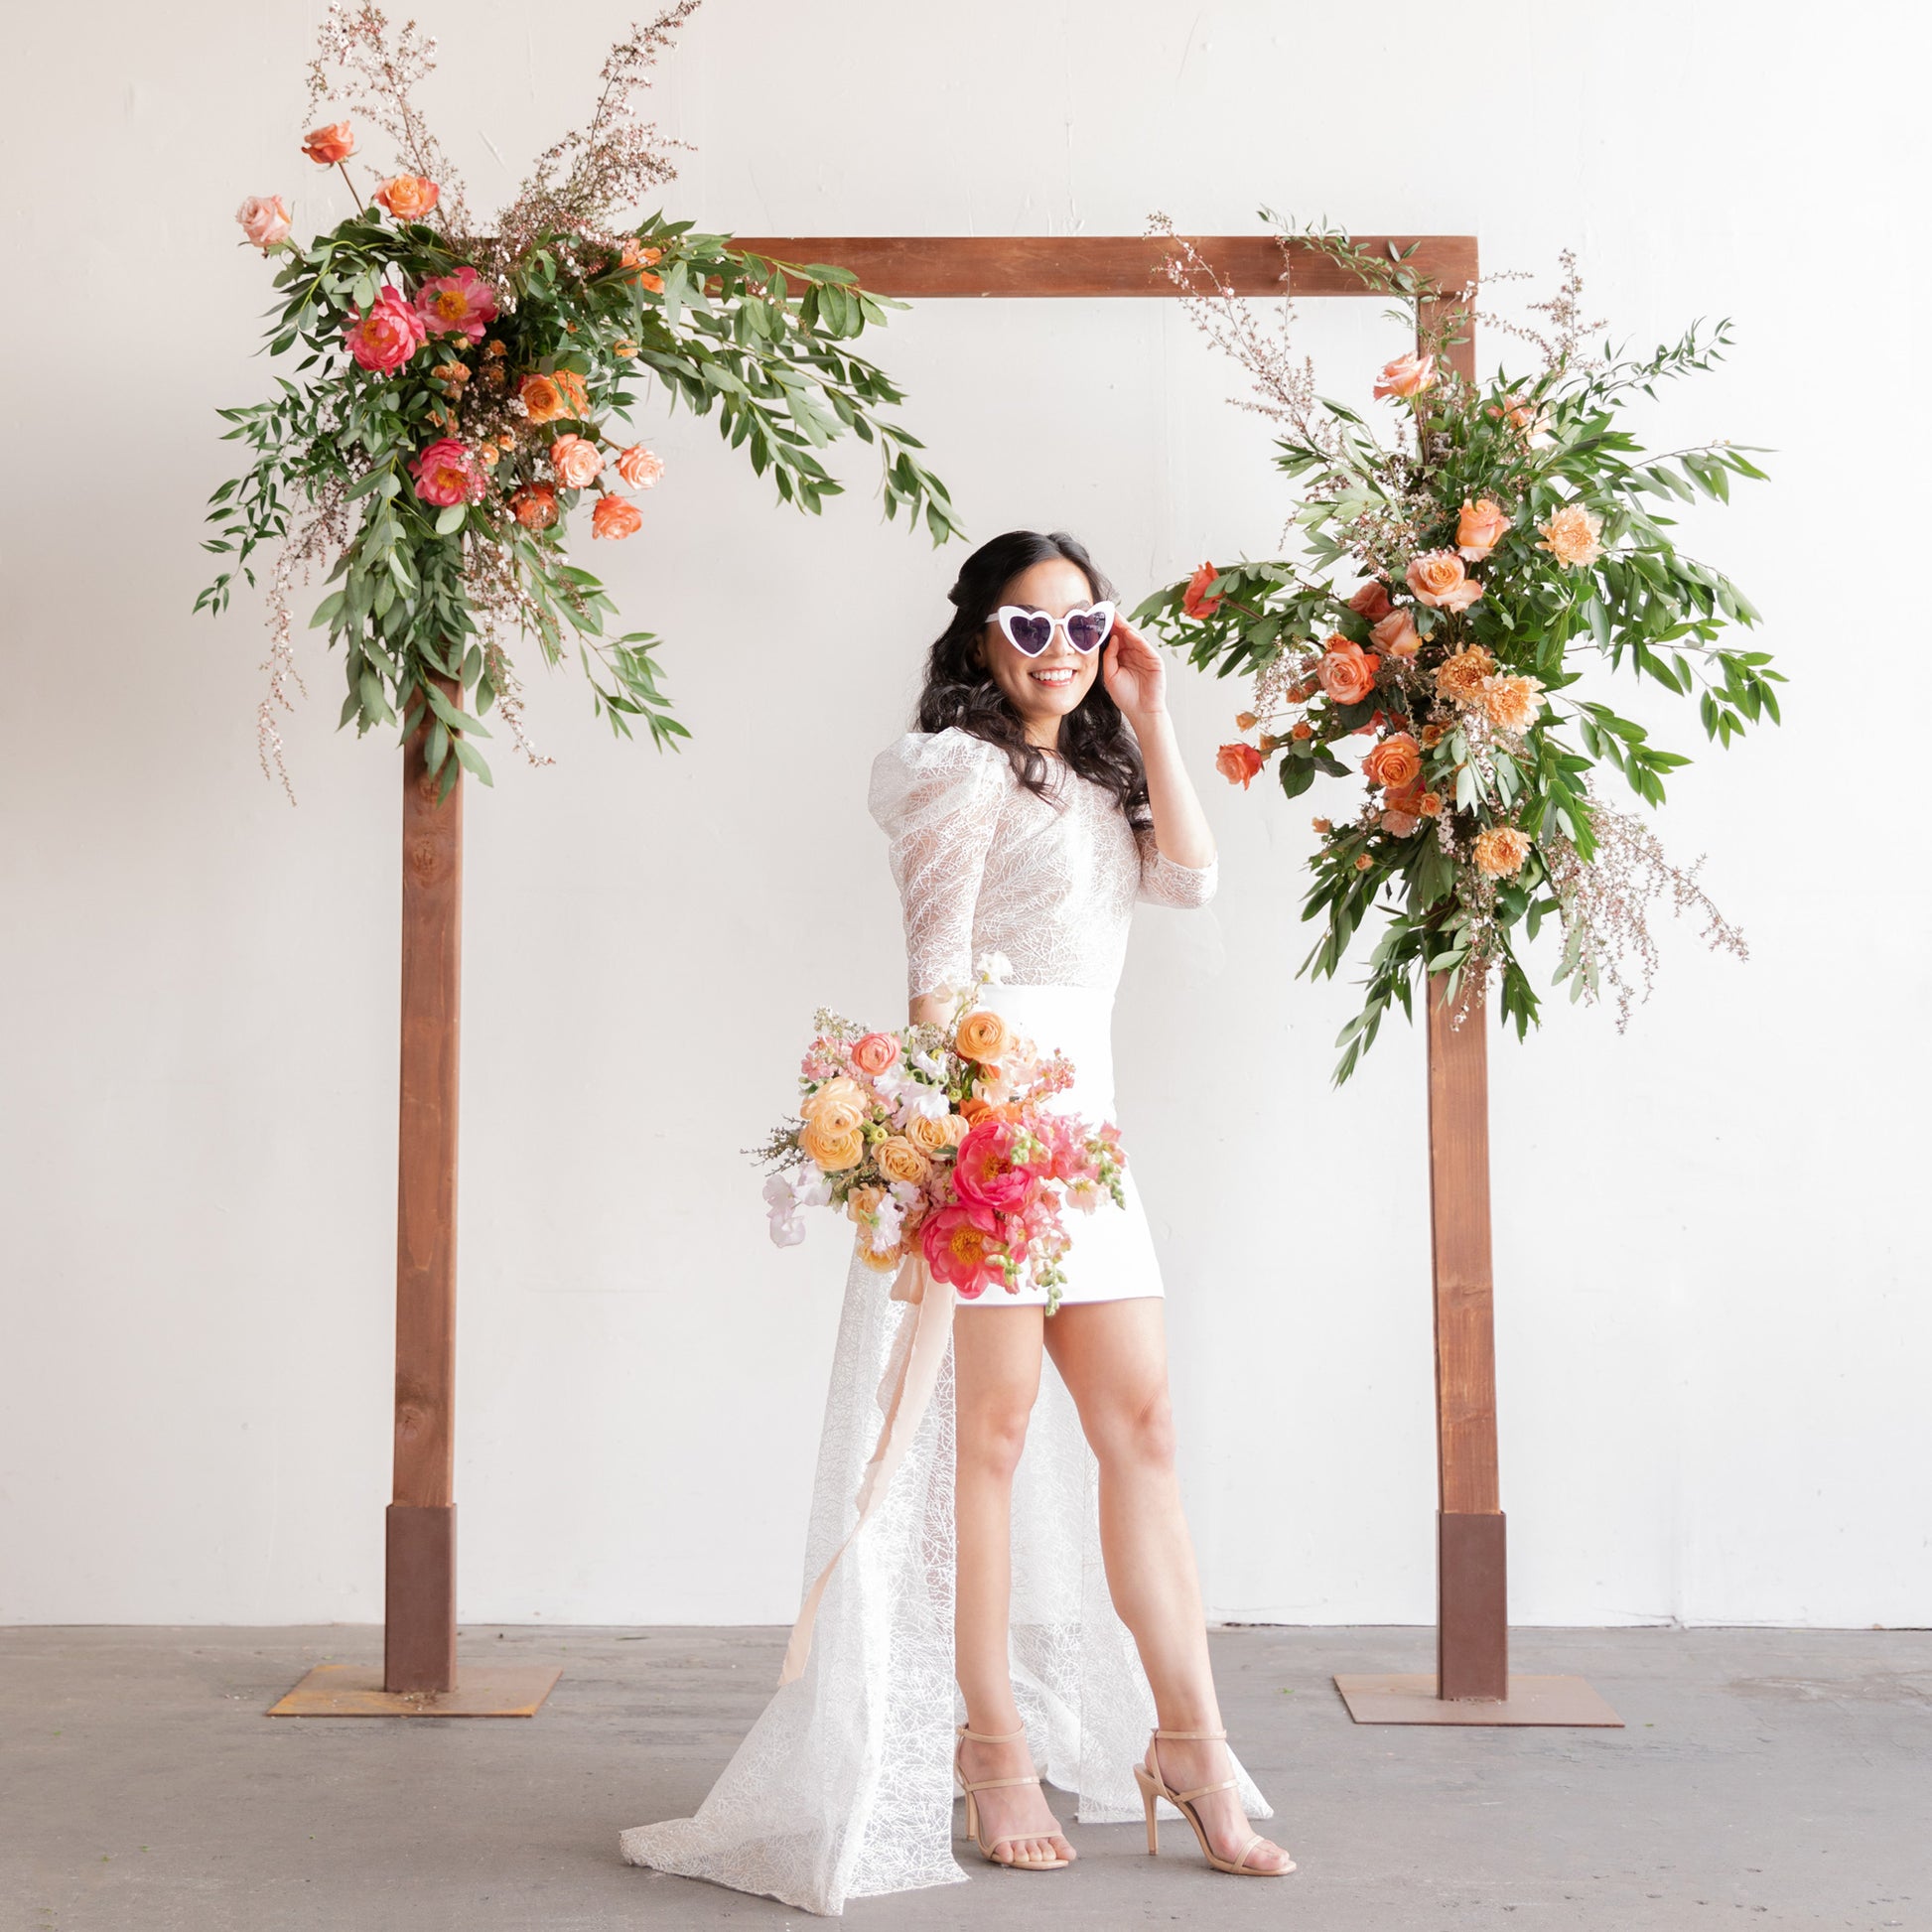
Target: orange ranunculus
[(1500, 851), (833, 1152), (576, 463), (838, 1106), (1238, 764), (570, 385), (983, 1036), (408, 197), (1407, 375), (542, 400), (1395, 764), (639, 467), (973, 1110), (1439, 580), (873, 1054), (1195, 599), (614, 516), (1479, 528), (328, 145), (1371, 600), (535, 505), (1396, 633), (1346, 671)]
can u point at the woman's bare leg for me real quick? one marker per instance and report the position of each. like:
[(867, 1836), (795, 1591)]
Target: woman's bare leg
[(996, 1376), (1113, 1357)]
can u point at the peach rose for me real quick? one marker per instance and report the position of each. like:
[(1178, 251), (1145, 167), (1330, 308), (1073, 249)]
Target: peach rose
[(328, 145), (1245, 721), (570, 385), (1500, 851), (1396, 633), (1439, 580), (1346, 671), (1300, 728), (1479, 528), (1459, 678), (1238, 764), (1432, 736), (1407, 375), (1571, 536), (1510, 702), (542, 400), (614, 516), (973, 1110), (265, 221), (1430, 804), (639, 467), (839, 1106), (535, 505), (831, 1151), (576, 462), (1371, 602), (862, 1201), (929, 1133), (983, 1036), (1323, 825), (882, 1262), (1195, 599), (875, 1054), (899, 1159), (1395, 764), (408, 197)]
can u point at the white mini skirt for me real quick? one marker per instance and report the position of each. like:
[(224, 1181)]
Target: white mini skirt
[(1112, 1258)]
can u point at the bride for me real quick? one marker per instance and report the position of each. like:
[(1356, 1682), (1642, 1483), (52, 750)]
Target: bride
[(1034, 1520)]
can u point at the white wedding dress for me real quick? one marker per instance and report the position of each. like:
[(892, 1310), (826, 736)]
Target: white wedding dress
[(844, 1786)]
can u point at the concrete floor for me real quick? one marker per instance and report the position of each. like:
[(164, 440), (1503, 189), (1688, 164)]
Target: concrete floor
[(1765, 1779)]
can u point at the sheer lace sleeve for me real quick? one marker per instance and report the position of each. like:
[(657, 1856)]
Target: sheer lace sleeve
[(938, 796), (1162, 883)]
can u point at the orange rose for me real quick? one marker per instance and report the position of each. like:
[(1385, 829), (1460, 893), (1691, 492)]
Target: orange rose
[(1245, 721), (1479, 528), (1238, 764), (1439, 580), (1395, 764), (1195, 599), (614, 516), (1346, 671), (832, 1151), (927, 1133), (1302, 729), (576, 462), (328, 145), (637, 259), (1371, 602), (639, 467), (1500, 851), (1407, 375), (1324, 825), (983, 1036), (1430, 804), (1459, 678), (535, 505), (899, 1159), (1396, 633), (408, 197), (542, 400), (1432, 736), (570, 385), (973, 1110)]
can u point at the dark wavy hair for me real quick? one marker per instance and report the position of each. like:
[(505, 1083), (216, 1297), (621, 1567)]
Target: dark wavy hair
[(960, 691)]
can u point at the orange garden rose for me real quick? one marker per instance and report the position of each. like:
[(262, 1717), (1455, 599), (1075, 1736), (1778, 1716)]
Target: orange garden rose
[(1238, 764), (1396, 633), (614, 516), (1479, 528), (1430, 804), (1195, 599), (639, 467), (983, 1036), (570, 387), (1300, 728), (1500, 851), (899, 1159), (542, 400), (927, 1133), (1407, 375), (1571, 536), (973, 1110), (1346, 671), (408, 197), (328, 145), (1395, 764), (576, 463), (1439, 580), (535, 505), (1459, 678)]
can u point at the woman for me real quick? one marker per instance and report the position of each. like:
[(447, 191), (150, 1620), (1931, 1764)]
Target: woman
[(1007, 1553)]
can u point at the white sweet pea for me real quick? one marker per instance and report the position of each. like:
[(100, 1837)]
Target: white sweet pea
[(929, 1067), (922, 1100), (994, 967), (787, 1230), (905, 1193), (810, 1187), (777, 1190)]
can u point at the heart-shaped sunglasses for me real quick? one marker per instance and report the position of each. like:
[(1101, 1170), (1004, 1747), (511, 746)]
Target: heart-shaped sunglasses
[(1086, 626)]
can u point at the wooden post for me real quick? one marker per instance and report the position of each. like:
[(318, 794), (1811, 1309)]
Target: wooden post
[(419, 1642)]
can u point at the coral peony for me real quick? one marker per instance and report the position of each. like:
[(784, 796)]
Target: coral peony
[(328, 145), (1500, 851), (265, 221), (1238, 764), (448, 472), (961, 1246), (1195, 599), (461, 304), (388, 335), (1459, 678), (408, 197), (614, 516), (986, 1171), (1479, 528), (1395, 764), (535, 505), (1346, 671), (639, 467), (576, 463), (1407, 375), (1371, 600), (1396, 633), (1439, 580), (1571, 536)]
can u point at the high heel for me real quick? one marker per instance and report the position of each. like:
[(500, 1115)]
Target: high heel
[(1154, 1785), (989, 1784)]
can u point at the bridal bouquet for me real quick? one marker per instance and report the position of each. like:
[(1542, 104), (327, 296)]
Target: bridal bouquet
[(937, 1140), (1467, 557), (461, 385)]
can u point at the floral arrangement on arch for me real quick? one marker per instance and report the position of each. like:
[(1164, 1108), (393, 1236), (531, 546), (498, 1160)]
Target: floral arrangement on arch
[(939, 1143), (1467, 558), (459, 387)]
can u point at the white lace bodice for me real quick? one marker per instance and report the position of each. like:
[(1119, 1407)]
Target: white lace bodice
[(981, 864)]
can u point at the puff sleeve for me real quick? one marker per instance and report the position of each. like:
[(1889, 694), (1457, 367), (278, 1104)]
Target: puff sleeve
[(937, 795), (1162, 883)]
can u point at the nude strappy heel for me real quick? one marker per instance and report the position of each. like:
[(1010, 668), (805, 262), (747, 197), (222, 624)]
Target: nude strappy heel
[(1154, 1785), (988, 1784)]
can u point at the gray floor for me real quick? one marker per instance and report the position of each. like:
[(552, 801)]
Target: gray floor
[(1765, 1779)]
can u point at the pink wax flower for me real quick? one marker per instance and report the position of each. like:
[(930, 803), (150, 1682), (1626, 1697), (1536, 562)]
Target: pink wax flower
[(985, 1173), (462, 304), (961, 1246), (448, 472), (388, 335), (265, 221)]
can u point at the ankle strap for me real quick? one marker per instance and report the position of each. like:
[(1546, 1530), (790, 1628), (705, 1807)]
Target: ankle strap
[(987, 1736), (1158, 1732)]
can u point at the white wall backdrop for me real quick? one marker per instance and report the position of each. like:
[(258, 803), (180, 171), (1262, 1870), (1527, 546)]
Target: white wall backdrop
[(1712, 1302)]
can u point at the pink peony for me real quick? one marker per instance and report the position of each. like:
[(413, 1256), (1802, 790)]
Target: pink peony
[(265, 221), (388, 335), (448, 472), (462, 304), (985, 1173)]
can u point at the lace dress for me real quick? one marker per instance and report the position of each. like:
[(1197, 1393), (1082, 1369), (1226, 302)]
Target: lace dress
[(842, 1788)]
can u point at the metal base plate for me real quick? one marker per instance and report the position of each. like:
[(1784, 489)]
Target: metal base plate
[(482, 1690), (1409, 1698)]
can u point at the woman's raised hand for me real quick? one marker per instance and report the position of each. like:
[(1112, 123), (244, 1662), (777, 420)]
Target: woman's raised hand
[(1134, 672)]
